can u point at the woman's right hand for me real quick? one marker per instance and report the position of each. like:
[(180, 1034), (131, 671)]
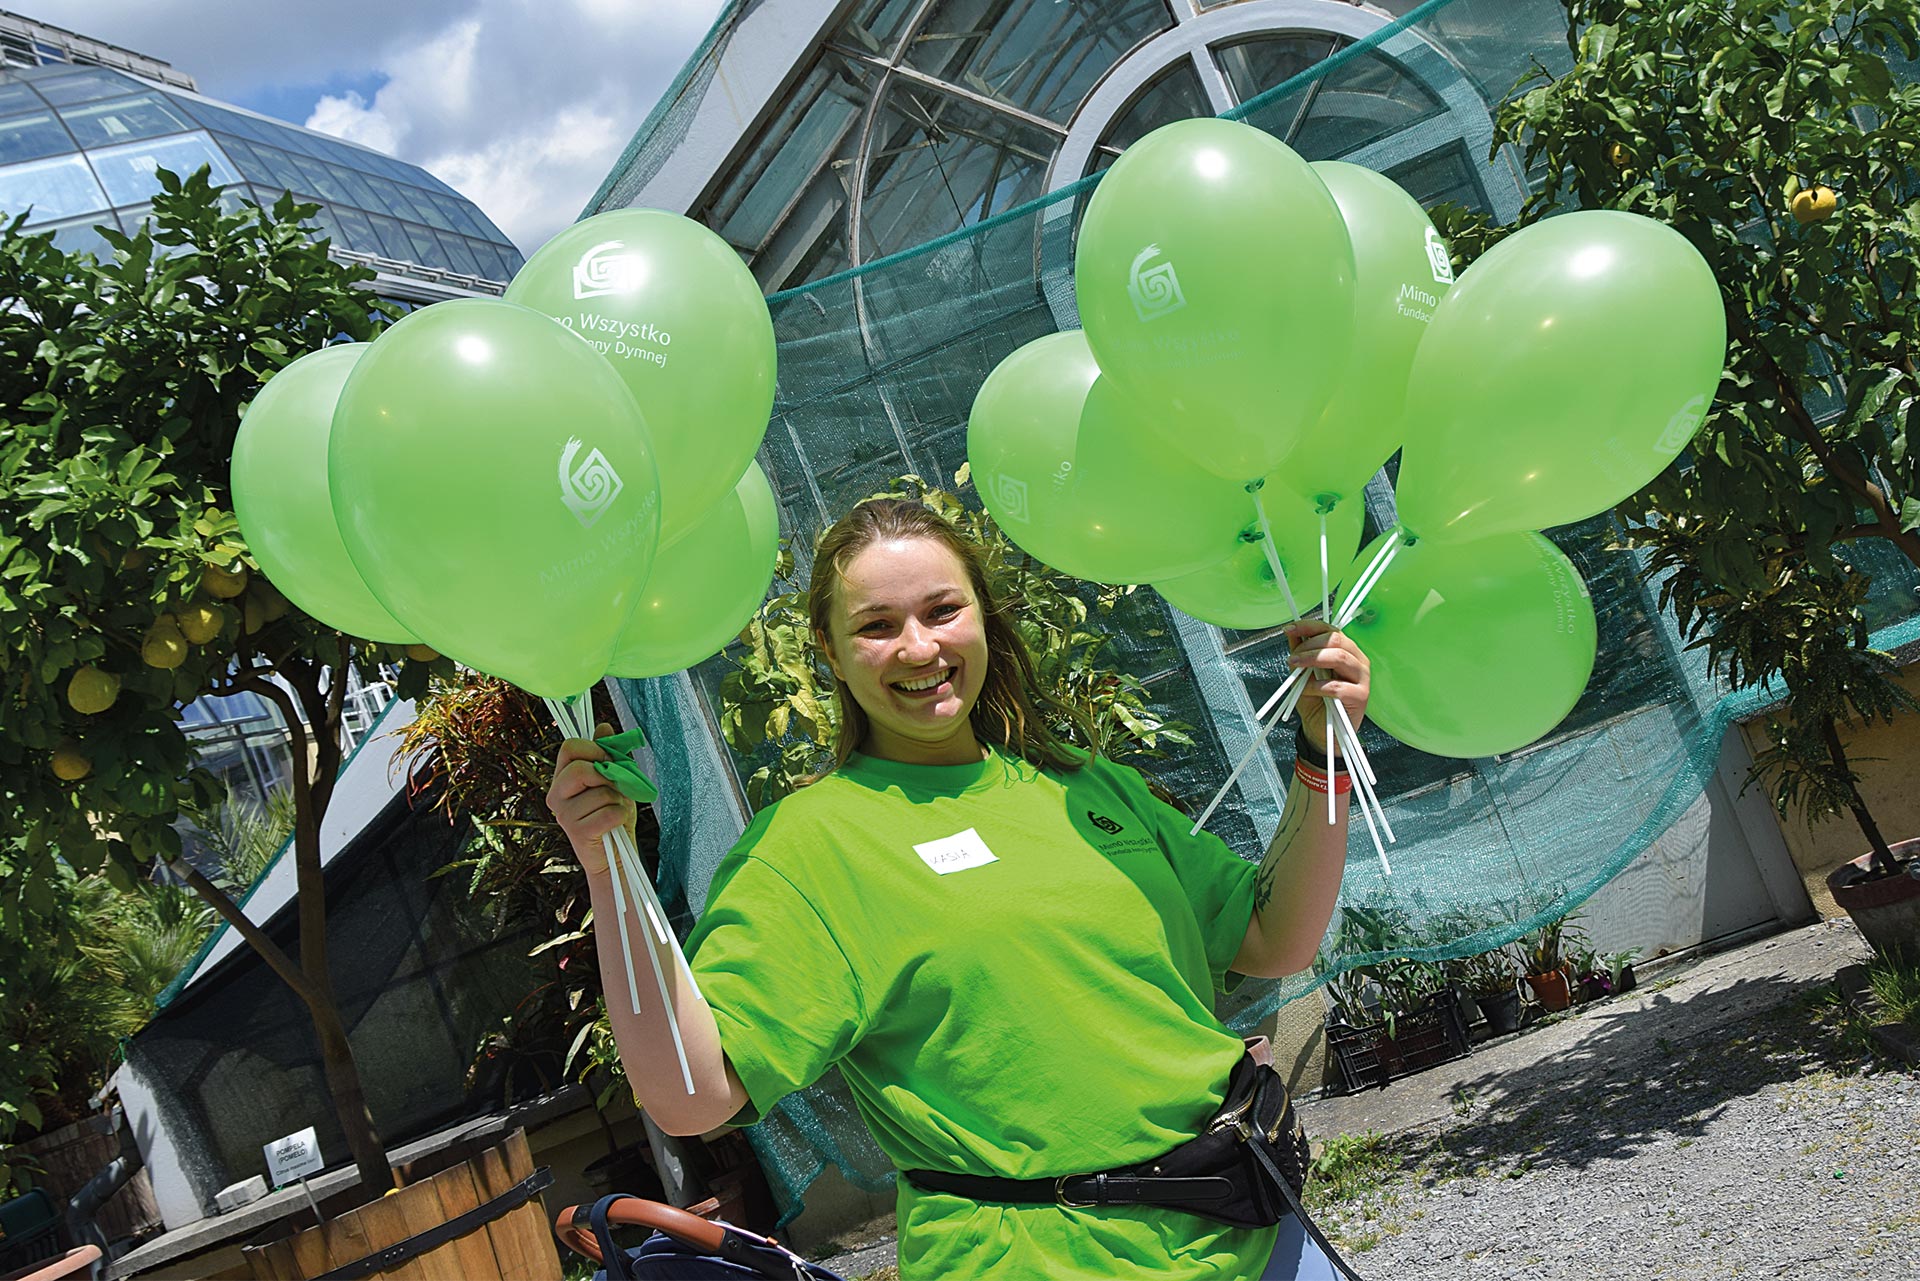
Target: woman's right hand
[(587, 805)]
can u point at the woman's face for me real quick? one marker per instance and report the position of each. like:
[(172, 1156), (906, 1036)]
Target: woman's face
[(908, 640)]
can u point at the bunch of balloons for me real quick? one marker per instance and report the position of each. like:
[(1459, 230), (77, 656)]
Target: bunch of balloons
[(1262, 334), (549, 487)]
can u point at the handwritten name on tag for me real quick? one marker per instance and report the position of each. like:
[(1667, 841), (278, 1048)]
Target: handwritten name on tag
[(955, 853)]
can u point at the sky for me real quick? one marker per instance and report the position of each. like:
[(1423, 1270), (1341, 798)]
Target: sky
[(521, 105)]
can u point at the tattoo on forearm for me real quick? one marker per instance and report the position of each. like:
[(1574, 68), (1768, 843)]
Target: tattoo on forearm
[(1282, 841)]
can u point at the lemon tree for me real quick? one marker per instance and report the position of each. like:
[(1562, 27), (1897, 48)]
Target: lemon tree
[(1781, 138), (126, 590)]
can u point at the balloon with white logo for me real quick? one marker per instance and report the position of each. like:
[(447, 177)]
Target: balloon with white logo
[(1565, 369), (1215, 281), (1402, 271), (678, 316), (494, 484)]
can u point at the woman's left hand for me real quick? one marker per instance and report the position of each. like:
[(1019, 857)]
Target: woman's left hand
[(1340, 671)]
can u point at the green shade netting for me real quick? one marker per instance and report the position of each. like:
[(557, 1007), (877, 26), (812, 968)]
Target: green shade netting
[(878, 369)]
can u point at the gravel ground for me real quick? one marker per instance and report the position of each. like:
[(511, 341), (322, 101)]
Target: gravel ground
[(1781, 1144)]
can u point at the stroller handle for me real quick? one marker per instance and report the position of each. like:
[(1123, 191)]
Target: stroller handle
[(571, 1225)]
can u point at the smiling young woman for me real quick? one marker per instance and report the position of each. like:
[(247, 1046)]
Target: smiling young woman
[(1008, 946)]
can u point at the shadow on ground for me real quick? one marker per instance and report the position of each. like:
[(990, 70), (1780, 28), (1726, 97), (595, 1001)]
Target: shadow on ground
[(1655, 1068)]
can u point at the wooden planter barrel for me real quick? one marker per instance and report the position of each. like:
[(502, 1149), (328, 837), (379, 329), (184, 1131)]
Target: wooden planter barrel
[(517, 1245)]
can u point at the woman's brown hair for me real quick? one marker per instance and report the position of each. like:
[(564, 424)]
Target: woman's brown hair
[(1013, 712)]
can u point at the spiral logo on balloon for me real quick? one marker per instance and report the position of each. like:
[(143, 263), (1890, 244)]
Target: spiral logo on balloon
[(1439, 258), (1682, 425), (1155, 290), (1013, 498), (604, 269), (590, 488)]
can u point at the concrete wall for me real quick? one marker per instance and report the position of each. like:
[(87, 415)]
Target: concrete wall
[(1884, 756)]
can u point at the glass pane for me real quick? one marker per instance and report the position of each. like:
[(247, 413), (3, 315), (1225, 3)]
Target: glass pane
[(320, 179), (500, 263), (1041, 58), (1256, 65), (33, 136), (392, 199), (939, 163), (127, 172), (453, 250), (85, 86), (1176, 95), (817, 125), (82, 235), (1446, 174), (460, 216), (101, 124), (53, 189), (430, 210), (392, 235), (356, 233), (18, 97), (876, 25), (356, 184), (1360, 102), (278, 168), (425, 249)]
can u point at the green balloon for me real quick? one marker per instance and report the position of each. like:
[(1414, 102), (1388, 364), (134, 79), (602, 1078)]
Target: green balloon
[(496, 489), (675, 311), (1564, 371), (1402, 271), (279, 478), (1075, 477), (705, 587), (1477, 648), (1215, 279), (1241, 591)]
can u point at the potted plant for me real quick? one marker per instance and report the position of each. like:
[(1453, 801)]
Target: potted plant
[(1492, 977), (1803, 470), (1590, 974), (1620, 973), (1546, 964)]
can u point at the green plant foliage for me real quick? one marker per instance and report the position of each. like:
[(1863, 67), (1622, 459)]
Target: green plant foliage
[(777, 705), (118, 407), (484, 751), (1349, 1166), (1778, 139), (82, 980)]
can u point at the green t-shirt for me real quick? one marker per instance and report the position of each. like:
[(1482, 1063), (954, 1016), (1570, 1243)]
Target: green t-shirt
[(1015, 971)]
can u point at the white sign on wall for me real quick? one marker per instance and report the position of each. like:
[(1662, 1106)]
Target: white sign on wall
[(294, 1157)]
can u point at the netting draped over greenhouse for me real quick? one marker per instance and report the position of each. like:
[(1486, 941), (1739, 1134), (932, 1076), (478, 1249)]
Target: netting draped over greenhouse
[(878, 369)]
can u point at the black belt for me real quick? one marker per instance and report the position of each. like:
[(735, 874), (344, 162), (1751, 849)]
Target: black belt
[(1075, 1190)]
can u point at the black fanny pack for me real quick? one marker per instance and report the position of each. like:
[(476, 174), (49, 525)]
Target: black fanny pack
[(1247, 1168)]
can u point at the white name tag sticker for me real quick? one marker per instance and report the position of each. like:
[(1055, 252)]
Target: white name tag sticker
[(955, 853)]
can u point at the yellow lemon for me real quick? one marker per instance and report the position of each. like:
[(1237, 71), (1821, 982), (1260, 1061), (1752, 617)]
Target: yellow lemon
[(164, 646), (1619, 155), (92, 691), (422, 653), (200, 622), (70, 764), (224, 583), (1813, 204)]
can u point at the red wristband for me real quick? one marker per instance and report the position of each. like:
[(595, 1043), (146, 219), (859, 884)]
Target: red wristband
[(1316, 780)]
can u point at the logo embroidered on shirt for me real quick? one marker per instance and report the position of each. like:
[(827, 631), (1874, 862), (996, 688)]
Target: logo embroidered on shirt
[(956, 853), (1104, 823)]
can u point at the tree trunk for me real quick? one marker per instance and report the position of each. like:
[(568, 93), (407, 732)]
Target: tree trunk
[(313, 783), (1883, 860)]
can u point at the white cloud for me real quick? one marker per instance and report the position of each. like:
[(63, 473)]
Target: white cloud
[(521, 105)]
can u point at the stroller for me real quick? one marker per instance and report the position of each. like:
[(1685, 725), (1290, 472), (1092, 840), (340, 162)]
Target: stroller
[(692, 1247)]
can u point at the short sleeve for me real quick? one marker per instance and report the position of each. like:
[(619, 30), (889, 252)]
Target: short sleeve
[(787, 1002), (1218, 882)]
